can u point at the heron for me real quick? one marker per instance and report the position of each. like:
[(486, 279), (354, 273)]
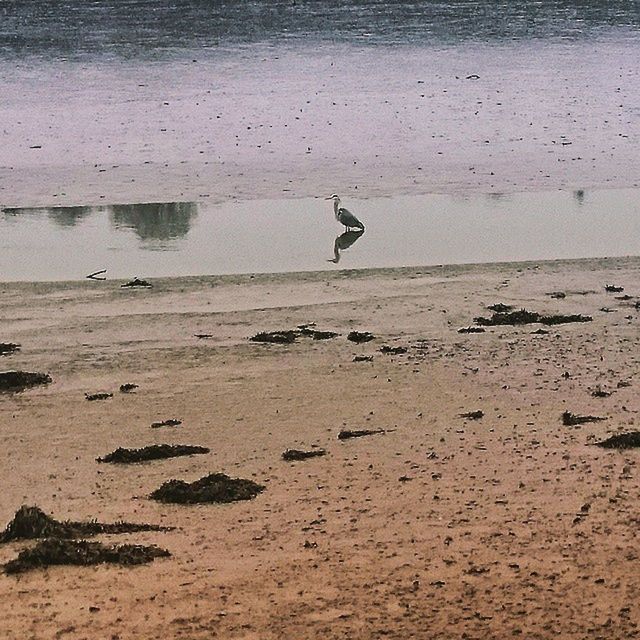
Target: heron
[(343, 216)]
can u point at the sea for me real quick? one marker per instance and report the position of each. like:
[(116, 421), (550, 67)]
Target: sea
[(158, 138)]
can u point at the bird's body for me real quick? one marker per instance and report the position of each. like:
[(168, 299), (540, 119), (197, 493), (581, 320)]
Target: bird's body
[(344, 216)]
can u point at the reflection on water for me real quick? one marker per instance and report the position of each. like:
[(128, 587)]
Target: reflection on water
[(155, 220), (131, 27), (294, 235), (152, 222), (344, 241)]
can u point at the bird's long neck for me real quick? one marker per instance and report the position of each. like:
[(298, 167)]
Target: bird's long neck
[(336, 206)]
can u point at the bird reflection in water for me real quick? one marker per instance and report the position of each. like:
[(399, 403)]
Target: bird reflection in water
[(344, 241)]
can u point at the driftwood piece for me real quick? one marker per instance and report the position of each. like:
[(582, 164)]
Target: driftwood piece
[(294, 455)]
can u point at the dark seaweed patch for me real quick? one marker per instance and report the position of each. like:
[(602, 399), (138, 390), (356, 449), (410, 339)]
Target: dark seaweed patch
[(55, 551), (385, 348), (500, 307), (629, 440), (570, 419), (30, 523), (529, 317), (360, 336), (214, 488), (293, 455), (152, 452), (171, 422), (276, 337), (128, 387), (98, 396), (137, 282), (21, 380), (347, 434), (471, 330), (7, 348), (473, 415)]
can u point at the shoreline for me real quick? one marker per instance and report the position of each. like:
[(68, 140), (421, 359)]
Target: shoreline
[(437, 517)]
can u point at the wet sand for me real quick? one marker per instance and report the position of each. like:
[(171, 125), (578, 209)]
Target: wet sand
[(509, 525)]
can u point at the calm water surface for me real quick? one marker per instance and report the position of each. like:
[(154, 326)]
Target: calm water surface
[(296, 235)]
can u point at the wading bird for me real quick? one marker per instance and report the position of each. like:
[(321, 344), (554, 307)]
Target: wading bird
[(343, 216)]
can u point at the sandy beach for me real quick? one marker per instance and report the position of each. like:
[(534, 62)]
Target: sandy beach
[(511, 524)]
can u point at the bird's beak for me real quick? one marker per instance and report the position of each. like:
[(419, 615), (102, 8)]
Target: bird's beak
[(329, 198)]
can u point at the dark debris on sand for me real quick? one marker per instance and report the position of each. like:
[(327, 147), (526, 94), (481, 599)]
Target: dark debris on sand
[(98, 396), (214, 488), (171, 422), (347, 434), (571, 419), (294, 455), (360, 336), (137, 282), (612, 288), (473, 415), (30, 523), (287, 336), (629, 440), (471, 330), (152, 452), (128, 387), (7, 348), (55, 551), (529, 317), (500, 307), (362, 358), (394, 351), (21, 380)]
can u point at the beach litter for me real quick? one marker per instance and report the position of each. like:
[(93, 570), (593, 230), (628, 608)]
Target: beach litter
[(152, 452), (128, 387), (21, 380), (30, 523), (385, 348), (214, 488), (55, 551)]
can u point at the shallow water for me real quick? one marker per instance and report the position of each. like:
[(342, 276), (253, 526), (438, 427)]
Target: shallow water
[(137, 100), (298, 235)]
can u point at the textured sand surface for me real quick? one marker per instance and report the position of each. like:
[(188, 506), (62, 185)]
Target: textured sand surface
[(511, 525)]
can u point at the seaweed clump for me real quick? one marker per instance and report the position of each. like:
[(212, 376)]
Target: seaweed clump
[(21, 380), (55, 551), (216, 487), (30, 523), (152, 452), (294, 455), (629, 440), (529, 317)]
